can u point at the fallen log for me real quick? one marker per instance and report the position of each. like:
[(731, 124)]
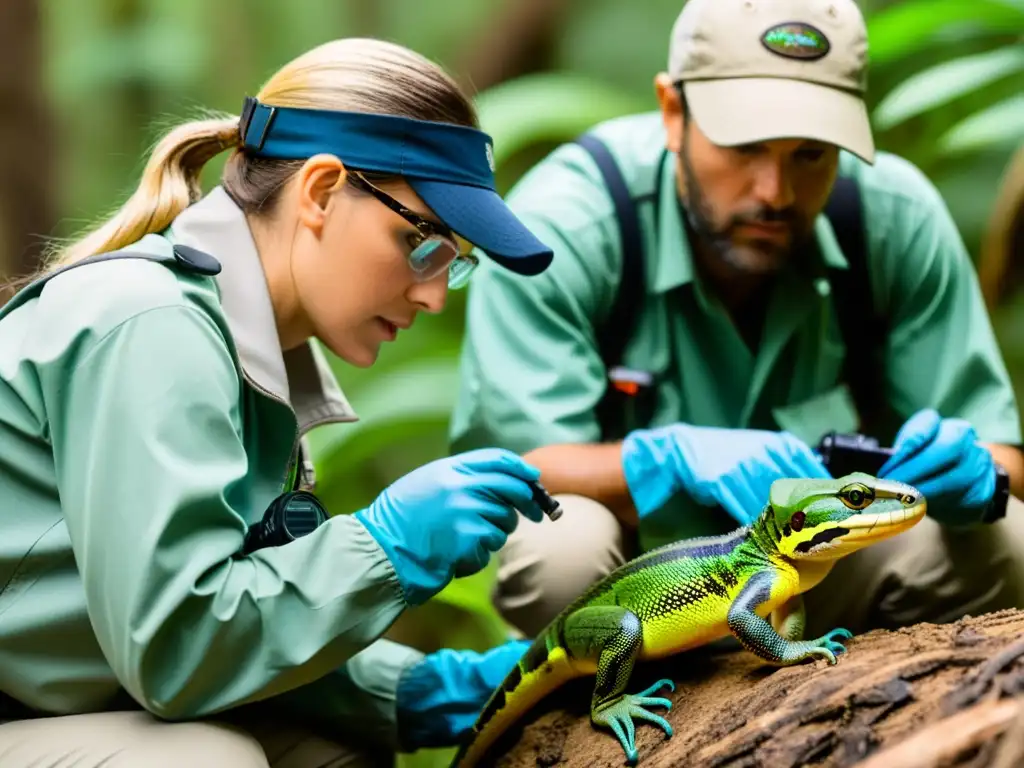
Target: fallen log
[(919, 697)]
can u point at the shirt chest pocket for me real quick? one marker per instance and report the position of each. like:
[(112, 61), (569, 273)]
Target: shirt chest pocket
[(812, 418), (820, 402)]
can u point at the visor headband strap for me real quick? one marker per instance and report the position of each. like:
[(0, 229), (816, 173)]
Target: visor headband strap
[(384, 143)]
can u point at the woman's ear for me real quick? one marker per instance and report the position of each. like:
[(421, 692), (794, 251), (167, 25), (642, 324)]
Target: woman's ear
[(316, 182)]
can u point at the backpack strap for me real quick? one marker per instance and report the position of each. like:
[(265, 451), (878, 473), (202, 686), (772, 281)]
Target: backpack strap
[(623, 386), (181, 257), (618, 326), (862, 326)]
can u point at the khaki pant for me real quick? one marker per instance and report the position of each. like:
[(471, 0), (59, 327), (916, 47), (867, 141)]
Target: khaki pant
[(137, 740), (928, 573)]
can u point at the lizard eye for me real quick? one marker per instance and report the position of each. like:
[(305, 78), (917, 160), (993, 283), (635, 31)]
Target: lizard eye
[(856, 496), (796, 522)]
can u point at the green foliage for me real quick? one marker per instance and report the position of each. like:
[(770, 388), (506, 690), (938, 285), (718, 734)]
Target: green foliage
[(1000, 124), (975, 94), (912, 26), (527, 116), (945, 82)]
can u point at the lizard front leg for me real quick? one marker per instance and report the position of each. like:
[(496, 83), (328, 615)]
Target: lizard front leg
[(612, 636), (758, 636)]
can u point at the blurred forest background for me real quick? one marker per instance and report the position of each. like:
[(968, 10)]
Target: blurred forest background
[(89, 85)]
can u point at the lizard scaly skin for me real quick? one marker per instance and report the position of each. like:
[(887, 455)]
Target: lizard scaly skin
[(695, 591)]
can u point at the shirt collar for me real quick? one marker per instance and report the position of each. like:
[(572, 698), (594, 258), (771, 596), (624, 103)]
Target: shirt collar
[(829, 253), (673, 260), (300, 377)]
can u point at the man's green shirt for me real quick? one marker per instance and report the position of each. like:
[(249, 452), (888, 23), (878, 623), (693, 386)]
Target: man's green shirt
[(532, 375)]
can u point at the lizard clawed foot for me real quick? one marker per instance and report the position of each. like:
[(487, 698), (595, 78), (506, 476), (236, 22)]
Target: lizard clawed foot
[(618, 715), (826, 646)]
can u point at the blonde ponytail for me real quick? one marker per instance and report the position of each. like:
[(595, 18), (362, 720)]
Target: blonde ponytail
[(170, 183), (353, 74)]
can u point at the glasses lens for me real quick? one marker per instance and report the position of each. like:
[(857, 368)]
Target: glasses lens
[(432, 257), (460, 271)]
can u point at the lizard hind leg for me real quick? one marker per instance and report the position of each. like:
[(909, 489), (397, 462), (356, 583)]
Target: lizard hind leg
[(612, 636)]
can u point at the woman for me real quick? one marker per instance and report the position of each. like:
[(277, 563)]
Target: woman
[(151, 408)]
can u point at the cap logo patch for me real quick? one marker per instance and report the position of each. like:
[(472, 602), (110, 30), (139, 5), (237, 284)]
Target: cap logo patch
[(796, 40)]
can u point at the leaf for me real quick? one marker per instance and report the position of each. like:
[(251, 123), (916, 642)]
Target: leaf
[(426, 758), (419, 390), (1000, 124), (908, 27), (472, 593), (532, 109), (945, 82)]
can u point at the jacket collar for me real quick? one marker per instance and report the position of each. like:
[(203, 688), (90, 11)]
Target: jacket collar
[(300, 377)]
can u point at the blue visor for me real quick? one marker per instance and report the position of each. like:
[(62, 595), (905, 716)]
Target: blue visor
[(451, 167)]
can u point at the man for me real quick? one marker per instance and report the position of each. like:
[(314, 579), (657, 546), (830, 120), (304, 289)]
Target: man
[(737, 328)]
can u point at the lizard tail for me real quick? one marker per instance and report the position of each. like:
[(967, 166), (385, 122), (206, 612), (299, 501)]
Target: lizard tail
[(539, 672)]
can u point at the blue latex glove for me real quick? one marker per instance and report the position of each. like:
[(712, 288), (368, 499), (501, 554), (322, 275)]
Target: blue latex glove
[(446, 518), (439, 699), (731, 467), (943, 460)]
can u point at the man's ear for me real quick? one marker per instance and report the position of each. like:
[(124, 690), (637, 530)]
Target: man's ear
[(671, 111), (316, 182)]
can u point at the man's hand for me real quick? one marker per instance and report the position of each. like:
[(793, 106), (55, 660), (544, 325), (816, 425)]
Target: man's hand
[(943, 459), (731, 467)]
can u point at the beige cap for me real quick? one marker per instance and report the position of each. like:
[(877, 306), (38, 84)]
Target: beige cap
[(755, 70)]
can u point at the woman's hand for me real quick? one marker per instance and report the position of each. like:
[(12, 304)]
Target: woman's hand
[(446, 518), (439, 699)]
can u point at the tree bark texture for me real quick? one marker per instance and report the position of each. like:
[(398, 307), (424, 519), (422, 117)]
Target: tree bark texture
[(920, 697)]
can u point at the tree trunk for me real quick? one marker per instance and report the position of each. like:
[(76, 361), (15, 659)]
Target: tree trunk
[(999, 263), (921, 697), (27, 212), (520, 40)]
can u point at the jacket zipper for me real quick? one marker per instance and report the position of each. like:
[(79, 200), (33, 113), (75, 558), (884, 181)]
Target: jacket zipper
[(293, 455)]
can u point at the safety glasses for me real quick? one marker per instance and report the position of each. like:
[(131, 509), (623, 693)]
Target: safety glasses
[(434, 247)]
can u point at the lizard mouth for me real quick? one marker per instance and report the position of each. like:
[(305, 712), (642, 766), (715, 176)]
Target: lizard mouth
[(882, 525), (859, 531)]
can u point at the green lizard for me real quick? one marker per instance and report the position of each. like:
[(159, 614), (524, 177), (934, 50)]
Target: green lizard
[(692, 592)]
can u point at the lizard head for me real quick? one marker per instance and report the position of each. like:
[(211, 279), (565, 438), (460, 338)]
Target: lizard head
[(829, 518)]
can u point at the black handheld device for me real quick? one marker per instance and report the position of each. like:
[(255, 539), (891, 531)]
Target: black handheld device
[(548, 505), (845, 453), (290, 516)]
